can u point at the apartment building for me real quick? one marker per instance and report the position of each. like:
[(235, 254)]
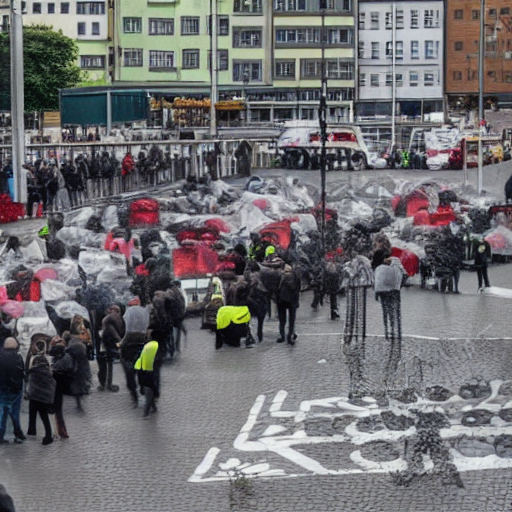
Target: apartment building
[(159, 41), (84, 21), (418, 63), (462, 38), (296, 58)]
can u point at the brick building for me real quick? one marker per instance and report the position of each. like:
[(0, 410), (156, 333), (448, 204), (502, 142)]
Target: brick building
[(462, 37)]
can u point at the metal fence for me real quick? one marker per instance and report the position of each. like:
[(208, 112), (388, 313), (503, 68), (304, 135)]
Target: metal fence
[(183, 158)]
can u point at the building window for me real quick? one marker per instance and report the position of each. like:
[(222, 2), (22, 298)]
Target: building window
[(508, 77), (132, 25), (400, 19), (415, 50), (298, 36), (374, 80), (190, 25), (457, 75), (51, 8), (251, 6), (428, 79), (399, 49), (285, 70), (362, 18), (338, 69), (64, 8), (92, 61), (475, 14), (248, 38), (340, 36), (222, 60), (504, 11), (90, 7), (81, 28), (190, 59), (493, 13), (250, 71), (389, 20), (492, 75), (222, 25), (458, 14), (360, 52), (458, 46), (375, 51), (374, 20), (311, 5), (161, 26), (429, 21), (413, 79), (415, 19), (95, 28), (362, 79), (159, 59), (431, 49), (36, 8), (389, 79), (133, 57), (399, 79)]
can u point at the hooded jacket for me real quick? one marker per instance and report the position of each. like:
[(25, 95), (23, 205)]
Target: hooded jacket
[(40, 382)]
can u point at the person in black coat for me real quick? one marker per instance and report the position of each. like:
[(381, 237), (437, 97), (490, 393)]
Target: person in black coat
[(12, 374), (40, 392), (482, 251), (114, 329), (6, 503), (288, 302)]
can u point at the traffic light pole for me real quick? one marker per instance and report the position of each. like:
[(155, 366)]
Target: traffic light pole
[(17, 103), (322, 116)]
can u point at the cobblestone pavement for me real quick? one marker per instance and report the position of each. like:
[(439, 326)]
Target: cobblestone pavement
[(116, 462)]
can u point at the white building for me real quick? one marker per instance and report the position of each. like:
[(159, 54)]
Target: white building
[(418, 59), (85, 22)]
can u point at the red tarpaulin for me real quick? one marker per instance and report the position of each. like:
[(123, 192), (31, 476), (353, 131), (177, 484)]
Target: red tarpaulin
[(409, 260), (144, 212), (193, 261), (442, 217), (218, 224), (207, 235), (278, 233)]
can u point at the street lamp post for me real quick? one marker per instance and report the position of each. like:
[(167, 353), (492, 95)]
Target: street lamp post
[(322, 116), (17, 103), (214, 68), (481, 86)]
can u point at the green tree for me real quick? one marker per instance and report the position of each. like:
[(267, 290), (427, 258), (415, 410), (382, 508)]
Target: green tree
[(49, 60)]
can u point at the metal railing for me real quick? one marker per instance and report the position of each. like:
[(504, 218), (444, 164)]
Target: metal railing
[(182, 158)]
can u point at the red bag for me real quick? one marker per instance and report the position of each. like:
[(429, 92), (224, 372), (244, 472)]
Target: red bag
[(219, 225), (45, 273), (409, 260)]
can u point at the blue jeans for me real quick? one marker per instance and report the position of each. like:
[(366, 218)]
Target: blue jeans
[(10, 404)]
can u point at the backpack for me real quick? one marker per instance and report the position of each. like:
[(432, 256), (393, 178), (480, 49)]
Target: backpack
[(288, 290)]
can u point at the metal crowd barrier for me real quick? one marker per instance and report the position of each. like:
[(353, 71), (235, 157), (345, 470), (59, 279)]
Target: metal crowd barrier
[(186, 157)]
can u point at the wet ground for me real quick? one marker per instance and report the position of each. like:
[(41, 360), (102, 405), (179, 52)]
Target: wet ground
[(228, 414)]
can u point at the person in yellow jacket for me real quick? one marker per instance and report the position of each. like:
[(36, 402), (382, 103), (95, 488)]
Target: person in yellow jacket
[(147, 367)]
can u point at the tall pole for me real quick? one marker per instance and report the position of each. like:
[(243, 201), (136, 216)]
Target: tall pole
[(214, 70), (393, 77), (322, 111), (481, 78), (17, 103)]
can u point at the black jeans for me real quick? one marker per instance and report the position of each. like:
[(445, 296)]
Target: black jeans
[(482, 276), (392, 314), (282, 309), (35, 407), (105, 368), (129, 372)]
